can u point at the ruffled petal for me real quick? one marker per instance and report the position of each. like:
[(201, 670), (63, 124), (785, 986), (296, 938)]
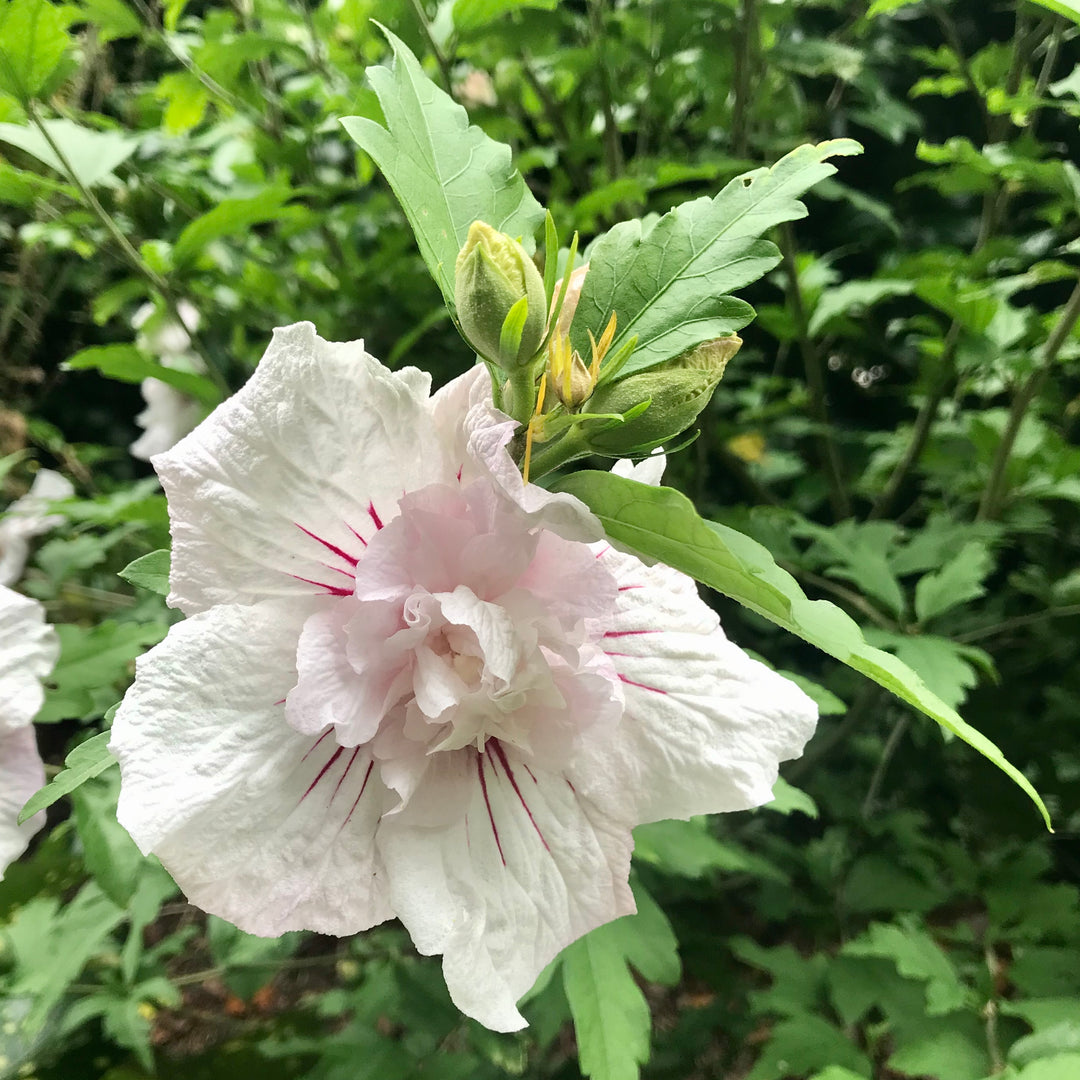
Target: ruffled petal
[(21, 774), (28, 651), (276, 492), (705, 727), (28, 517), (266, 827), (525, 866)]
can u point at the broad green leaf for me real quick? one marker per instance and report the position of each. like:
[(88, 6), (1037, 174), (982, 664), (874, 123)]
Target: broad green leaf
[(611, 1015), (229, 217), (92, 155), (853, 295), (803, 1043), (957, 582), (32, 42), (445, 173), (108, 851), (789, 800), (668, 282), (916, 956), (51, 946), (880, 7), (1069, 8), (87, 760), (150, 572), (949, 668), (689, 849), (1058, 1067), (127, 364), (475, 14), (113, 19), (1064, 1036), (660, 523)]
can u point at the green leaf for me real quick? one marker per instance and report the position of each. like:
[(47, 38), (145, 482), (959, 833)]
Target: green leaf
[(445, 173), (92, 155), (32, 42), (803, 1043), (1059, 1038), (660, 523), (1069, 8), (957, 582), (1058, 1067), (126, 363), (916, 956), (150, 572), (87, 760), (475, 14), (228, 218), (688, 849), (790, 800), (113, 19), (109, 853), (668, 283), (611, 1015)]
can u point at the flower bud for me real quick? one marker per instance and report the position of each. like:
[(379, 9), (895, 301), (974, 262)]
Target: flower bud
[(492, 274), (711, 356), (676, 398)]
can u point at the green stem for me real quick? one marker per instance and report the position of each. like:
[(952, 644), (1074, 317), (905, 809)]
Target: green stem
[(744, 41), (994, 495), (445, 69), (571, 446), (612, 146)]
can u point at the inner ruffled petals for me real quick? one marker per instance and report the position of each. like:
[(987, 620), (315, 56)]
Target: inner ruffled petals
[(468, 624)]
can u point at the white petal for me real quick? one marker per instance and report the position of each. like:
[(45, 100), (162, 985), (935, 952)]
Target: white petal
[(169, 416), (322, 438), (500, 889), (705, 727), (21, 774), (28, 517), (649, 470), (268, 828), (28, 652)]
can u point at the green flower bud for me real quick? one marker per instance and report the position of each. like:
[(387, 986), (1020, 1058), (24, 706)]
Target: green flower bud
[(711, 356), (493, 274), (676, 398)]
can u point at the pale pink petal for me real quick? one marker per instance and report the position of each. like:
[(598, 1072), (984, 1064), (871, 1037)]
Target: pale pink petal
[(705, 726), (21, 774), (266, 827), (278, 490), (28, 652), (526, 866), (28, 517)]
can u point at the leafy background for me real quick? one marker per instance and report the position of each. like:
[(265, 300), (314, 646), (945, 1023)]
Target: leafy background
[(898, 911)]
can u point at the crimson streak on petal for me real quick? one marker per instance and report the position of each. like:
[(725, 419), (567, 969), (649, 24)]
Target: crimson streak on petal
[(500, 753), (487, 803), (326, 544)]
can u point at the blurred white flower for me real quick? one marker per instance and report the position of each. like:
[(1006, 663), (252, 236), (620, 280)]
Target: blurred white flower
[(27, 518), (409, 685), (169, 414), (475, 89), (28, 651)]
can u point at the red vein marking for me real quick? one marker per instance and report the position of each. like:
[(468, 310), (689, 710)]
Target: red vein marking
[(282, 702), (570, 786), (487, 803), (334, 590), (374, 515), (356, 534), (530, 772), (601, 554), (627, 633), (367, 775), (618, 653), (623, 588), (501, 754), (338, 570), (322, 772), (460, 468), (341, 779), (641, 685), (326, 544), (317, 741)]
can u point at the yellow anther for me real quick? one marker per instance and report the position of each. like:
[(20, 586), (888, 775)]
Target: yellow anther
[(536, 422)]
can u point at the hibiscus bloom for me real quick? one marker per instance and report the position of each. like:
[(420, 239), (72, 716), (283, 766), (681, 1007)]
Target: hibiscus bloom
[(410, 685), (28, 651), (27, 518), (169, 414)]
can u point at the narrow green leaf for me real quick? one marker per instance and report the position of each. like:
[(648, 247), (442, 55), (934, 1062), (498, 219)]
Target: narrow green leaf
[(150, 572), (471, 15), (126, 364), (668, 283), (228, 218), (660, 523), (87, 760), (445, 173)]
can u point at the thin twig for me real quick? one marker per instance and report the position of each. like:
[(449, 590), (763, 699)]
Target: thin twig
[(443, 61), (1064, 612), (890, 748)]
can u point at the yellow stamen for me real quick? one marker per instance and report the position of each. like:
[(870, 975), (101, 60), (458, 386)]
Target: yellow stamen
[(535, 422)]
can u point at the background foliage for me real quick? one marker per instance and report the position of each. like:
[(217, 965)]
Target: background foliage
[(900, 430)]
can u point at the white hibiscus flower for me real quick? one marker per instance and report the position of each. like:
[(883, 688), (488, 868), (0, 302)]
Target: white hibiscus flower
[(27, 518), (169, 414), (410, 686), (28, 651)]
